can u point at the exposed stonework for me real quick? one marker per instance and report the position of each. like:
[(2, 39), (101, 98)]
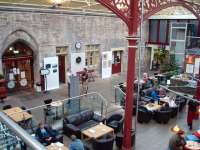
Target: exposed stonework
[(43, 32)]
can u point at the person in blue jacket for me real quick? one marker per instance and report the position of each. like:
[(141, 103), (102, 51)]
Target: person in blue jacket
[(76, 144), (155, 96)]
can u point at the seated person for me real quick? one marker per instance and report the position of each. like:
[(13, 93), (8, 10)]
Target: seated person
[(162, 92), (76, 144), (172, 103), (154, 95), (165, 107), (45, 134), (177, 141)]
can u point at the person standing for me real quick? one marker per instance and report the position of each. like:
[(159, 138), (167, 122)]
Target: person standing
[(76, 144), (84, 80), (68, 81), (192, 109), (177, 141)]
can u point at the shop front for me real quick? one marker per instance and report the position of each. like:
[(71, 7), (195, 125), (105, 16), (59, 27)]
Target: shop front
[(17, 62)]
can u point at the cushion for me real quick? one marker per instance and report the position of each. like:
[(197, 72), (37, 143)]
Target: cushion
[(86, 115), (192, 138), (197, 134), (87, 124), (74, 119), (113, 124)]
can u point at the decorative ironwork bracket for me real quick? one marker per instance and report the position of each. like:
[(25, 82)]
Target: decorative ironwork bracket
[(120, 7), (153, 6)]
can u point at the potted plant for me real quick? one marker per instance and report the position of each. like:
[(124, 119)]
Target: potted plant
[(161, 57)]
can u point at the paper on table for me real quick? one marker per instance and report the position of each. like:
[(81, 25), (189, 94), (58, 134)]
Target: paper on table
[(92, 131), (59, 144)]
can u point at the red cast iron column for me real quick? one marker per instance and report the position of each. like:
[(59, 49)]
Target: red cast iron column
[(127, 10), (197, 95), (134, 20)]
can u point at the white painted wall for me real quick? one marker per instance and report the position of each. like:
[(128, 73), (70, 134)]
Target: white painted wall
[(76, 67)]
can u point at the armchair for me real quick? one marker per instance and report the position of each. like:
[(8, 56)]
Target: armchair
[(105, 143), (163, 116), (144, 115), (115, 121)]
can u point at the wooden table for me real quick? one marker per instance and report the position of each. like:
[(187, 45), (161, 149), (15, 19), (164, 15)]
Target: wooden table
[(96, 131), (152, 106), (17, 114), (57, 146), (191, 145)]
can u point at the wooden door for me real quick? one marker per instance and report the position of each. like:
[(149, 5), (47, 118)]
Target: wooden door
[(116, 65), (61, 61)]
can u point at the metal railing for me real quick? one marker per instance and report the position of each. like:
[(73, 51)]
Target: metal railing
[(93, 101), (13, 134), (119, 95)]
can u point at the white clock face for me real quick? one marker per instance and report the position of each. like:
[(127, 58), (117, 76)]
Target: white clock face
[(78, 45)]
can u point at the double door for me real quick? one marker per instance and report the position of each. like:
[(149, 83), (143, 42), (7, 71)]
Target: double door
[(18, 73), (117, 59)]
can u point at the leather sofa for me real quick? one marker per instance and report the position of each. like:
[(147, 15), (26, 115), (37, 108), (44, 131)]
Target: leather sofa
[(75, 123), (105, 143)]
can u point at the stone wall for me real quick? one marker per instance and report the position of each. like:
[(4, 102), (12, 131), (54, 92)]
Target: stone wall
[(43, 32)]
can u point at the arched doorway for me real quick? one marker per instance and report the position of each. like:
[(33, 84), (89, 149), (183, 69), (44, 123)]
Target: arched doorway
[(17, 62)]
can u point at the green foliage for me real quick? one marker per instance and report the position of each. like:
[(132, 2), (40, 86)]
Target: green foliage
[(160, 55)]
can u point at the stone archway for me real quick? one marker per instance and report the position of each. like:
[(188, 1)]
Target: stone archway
[(27, 39)]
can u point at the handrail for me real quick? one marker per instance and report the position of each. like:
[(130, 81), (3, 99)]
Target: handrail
[(63, 100), (21, 133), (182, 95)]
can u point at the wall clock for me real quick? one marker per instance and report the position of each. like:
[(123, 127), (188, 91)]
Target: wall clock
[(78, 60), (78, 45)]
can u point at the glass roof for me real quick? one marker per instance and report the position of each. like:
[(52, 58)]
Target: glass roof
[(65, 4), (74, 4)]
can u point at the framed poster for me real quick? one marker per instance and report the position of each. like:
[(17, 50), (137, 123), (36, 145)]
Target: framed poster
[(52, 76), (106, 64)]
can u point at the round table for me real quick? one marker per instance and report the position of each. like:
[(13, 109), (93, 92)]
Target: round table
[(56, 104), (191, 145)]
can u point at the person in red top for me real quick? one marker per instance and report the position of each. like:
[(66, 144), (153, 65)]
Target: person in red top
[(192, 109)]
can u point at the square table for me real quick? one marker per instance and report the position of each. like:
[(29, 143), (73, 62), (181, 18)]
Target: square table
[(57, 146), (96, 131), (17, 114)]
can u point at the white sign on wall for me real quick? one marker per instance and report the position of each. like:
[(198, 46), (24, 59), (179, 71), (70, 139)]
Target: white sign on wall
[(189, 68), (196, 65), (52, 78), (106, 64), (77, 62)]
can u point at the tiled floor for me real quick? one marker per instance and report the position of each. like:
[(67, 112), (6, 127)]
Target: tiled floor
[(151, 136)]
